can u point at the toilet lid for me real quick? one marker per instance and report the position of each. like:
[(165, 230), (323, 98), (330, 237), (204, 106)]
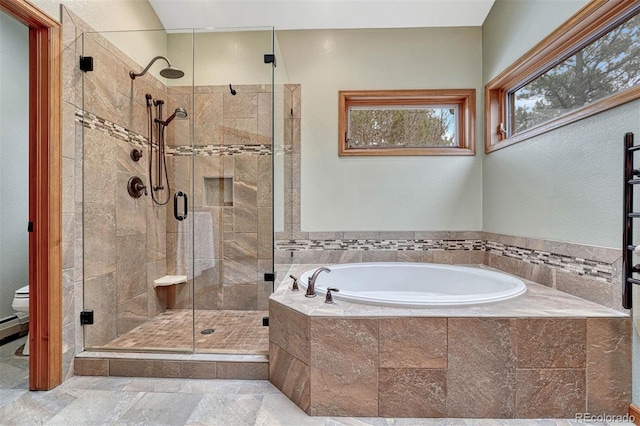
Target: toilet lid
[(23, 291)]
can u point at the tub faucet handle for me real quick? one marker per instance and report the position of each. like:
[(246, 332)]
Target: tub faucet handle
[(294, 287), (329, 298)]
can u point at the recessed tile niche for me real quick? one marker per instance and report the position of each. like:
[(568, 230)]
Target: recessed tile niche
[(218, 191)]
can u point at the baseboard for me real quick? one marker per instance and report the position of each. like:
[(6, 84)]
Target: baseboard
[(634, 411), (14, 324)]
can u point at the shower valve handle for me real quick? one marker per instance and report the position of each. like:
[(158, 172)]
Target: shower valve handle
[(136, 188)]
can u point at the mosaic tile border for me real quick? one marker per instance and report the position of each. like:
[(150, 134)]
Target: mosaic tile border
[(368, 244), (91, 121), (575, 265), (578, 266), (224, 150)]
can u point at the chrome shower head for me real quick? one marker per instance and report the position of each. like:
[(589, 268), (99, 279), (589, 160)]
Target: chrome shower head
[(169, 72), (178, 113)]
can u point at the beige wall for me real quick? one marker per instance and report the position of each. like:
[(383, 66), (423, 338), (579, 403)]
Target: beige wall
[(107, 15), (221, 58), (118, 15), (383, 193)]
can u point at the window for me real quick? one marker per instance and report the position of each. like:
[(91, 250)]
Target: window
[(407, 122), (589, 64)]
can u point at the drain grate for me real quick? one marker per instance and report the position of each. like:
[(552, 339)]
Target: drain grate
[(207, 331)]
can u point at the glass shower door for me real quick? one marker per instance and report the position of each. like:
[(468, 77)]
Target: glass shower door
[(137, 228), (232, 176), (177, 190)]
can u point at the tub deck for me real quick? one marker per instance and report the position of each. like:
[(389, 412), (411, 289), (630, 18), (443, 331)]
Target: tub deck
[(546, 354)]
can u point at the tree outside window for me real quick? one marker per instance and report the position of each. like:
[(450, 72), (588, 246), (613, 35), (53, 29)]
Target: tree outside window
[(407, 122)]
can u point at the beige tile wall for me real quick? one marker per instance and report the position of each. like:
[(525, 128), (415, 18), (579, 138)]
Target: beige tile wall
[(242, 232)]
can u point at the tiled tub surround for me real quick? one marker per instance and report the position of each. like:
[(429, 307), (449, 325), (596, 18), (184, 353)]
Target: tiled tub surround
[(546, 354), (589, 272)]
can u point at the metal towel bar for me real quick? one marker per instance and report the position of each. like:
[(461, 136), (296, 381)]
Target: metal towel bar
[(628, 268)]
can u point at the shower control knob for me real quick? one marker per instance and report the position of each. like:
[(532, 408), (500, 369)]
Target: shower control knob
[(135, 154), (136, 188)]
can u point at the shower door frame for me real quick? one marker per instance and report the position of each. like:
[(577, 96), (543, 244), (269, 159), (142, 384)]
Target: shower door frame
[(45, 195)]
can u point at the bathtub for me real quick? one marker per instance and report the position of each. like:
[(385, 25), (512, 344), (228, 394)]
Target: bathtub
[(445, 361), (415, 285)]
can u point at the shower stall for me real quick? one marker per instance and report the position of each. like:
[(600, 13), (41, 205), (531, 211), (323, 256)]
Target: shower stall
[(180, 133)]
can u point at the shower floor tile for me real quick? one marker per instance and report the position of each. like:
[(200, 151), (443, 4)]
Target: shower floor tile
[(234, 332)]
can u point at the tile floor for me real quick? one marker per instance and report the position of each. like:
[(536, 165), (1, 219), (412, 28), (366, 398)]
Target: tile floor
[(140, 401), (235, 332)]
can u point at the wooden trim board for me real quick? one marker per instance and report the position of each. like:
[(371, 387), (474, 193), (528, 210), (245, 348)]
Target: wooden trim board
[(45, 195)]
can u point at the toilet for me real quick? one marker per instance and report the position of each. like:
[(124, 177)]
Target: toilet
[(21, 304)]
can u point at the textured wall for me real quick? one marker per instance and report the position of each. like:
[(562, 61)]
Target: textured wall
[(381, 193), (514, 27), (563, 185)]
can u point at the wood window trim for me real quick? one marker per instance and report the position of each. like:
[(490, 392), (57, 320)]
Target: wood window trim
[(464, 98), (596, 16), (45, 194)]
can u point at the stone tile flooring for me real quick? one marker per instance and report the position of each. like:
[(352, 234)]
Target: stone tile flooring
[(235, 332), (14, 370), (141, 401)]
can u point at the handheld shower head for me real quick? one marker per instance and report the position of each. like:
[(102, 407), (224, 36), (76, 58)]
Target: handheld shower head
[(178, 113), (169, 72)]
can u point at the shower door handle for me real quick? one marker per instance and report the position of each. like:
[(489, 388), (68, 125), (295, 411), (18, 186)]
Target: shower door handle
[(175, 205)]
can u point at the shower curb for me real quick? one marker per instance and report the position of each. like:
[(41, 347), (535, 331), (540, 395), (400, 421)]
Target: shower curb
[(184, 366)]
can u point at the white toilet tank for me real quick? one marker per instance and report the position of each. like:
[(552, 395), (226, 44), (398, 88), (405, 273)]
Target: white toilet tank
[(21, 299)]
